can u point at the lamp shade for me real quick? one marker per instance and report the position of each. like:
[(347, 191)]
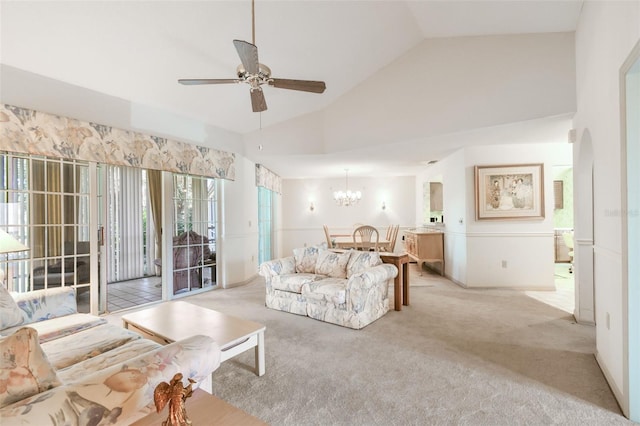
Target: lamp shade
[(8, 244)]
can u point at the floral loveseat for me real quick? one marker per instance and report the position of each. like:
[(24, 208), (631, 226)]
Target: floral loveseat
[(348, 288), (60, 367)]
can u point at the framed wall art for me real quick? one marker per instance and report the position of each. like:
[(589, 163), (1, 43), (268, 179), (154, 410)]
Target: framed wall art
[(509, 192)]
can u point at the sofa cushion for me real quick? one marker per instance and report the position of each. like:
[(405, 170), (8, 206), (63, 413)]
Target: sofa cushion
[(76, 372), (328, 290), (306, 258), (361, 260), (88, 343), (332, 264), (63, 326), (10, 314), (40, 305), (293, 282), (24, 368)]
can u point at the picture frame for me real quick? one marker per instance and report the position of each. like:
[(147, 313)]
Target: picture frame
[(506, 192)]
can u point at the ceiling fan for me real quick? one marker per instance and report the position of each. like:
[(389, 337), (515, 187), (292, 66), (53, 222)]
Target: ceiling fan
[(255, 74)]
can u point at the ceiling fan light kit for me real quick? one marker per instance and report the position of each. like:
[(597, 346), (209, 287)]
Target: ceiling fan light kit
[(255, 74)]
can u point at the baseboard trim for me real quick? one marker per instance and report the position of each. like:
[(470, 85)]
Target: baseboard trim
[(240, 283), (616, 392)]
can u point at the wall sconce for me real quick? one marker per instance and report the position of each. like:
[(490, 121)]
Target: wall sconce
[(311, 206), (384, 206)]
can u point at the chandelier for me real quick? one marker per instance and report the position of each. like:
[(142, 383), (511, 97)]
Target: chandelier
[(347, 198)]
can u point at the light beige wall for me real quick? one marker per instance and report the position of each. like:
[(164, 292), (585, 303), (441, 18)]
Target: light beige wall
[(301, 226)]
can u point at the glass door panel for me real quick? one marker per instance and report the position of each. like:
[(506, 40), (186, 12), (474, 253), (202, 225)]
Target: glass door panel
[(194, 234)]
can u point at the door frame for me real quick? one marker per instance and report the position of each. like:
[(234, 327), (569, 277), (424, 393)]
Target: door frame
[(630, 179)]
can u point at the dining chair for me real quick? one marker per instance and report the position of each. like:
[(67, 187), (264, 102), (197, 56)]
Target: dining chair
[(392, 239), (392, 234), (363, 238), (389, 232), (327, 236)]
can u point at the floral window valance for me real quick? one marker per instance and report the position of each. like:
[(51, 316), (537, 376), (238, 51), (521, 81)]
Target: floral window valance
[(267, 179), (33, 132)]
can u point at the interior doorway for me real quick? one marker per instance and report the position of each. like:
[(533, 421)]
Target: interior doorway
[(563, 236)]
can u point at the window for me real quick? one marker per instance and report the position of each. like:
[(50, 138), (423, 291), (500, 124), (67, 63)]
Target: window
[(265, 224)]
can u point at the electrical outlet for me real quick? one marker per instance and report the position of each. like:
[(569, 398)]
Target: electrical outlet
[(504, 264)]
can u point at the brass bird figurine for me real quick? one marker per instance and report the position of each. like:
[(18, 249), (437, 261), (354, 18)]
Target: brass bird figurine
[(175, 394)]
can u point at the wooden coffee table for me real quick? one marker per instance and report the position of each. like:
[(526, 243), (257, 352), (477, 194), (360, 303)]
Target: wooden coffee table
[(173, 321), (205, 409)]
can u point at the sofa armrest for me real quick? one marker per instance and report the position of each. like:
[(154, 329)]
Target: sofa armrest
[(272, 268), (40, 305), (122, 393), (362, 284)]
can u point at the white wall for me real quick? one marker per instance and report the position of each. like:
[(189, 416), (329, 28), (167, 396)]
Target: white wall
[(240, 239), (606, 34), (475, 250), (450, 171), (301, 226), (28, 90), (447, 85)]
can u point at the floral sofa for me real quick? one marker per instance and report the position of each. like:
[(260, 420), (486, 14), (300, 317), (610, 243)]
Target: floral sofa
[(60, 367), (348, 288)]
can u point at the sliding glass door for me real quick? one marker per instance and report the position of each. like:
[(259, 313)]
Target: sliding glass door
[(194, 233), (45, 204), (265, 224), (97, 228)]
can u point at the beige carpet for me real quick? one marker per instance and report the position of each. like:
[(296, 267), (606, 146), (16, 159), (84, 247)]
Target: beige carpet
[(454, 356)]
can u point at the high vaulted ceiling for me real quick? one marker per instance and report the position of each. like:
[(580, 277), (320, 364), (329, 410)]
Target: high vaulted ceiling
[(137, 50)]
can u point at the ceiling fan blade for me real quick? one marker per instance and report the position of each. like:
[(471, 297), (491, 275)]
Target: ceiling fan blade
[(257, 100), (248, 55), (195, 81), (303, 85)]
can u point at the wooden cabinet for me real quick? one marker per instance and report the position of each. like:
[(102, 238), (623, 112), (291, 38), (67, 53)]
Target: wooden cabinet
[(426, 247)]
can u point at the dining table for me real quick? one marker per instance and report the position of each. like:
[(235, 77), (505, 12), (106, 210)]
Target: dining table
[(344, 241)]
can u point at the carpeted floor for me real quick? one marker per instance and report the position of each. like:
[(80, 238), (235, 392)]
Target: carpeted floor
[(454, 356)]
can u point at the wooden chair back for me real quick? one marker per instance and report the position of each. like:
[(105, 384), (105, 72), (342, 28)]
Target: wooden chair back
[(389, 233), (366, 238), (392, 238), (327, 236)]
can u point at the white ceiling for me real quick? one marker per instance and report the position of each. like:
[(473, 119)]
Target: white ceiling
[(136, 50)]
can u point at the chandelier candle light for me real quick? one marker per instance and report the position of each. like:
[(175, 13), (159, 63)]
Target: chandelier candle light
[(347, 198)]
